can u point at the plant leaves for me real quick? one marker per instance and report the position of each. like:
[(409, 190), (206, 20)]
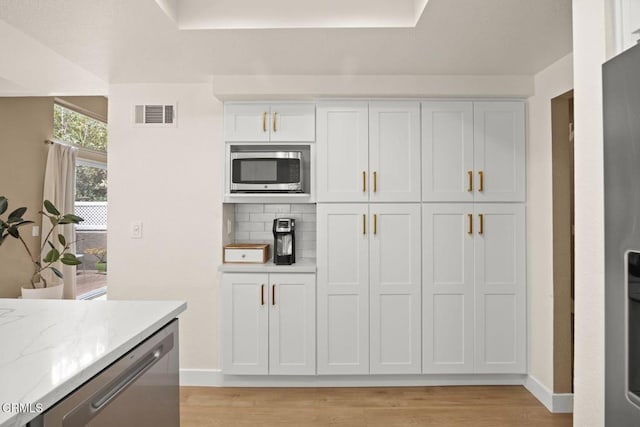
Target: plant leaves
[(70, 259), (16, 215), (62, 240), (57, 272), (52, 256), (50, 208), (73, 218), (2, 236), (51, 244), (4, 204), (21, 223), (13, 230), (64, 221)]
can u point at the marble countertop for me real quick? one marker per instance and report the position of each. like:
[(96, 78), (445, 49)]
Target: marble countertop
[(50, 347), (304, 265)]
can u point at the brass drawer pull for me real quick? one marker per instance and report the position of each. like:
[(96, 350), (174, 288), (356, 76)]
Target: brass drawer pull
[(264, 121), (375, 224), (470, 186), (481, 181), (481, 231), (470, 218), (364, 224), (375, 181), (274, 122), (364, 181), (262, 294), (273, 294)]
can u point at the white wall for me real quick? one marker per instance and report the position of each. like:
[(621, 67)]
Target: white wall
[(171, 180), (549, 83), (590, 38)]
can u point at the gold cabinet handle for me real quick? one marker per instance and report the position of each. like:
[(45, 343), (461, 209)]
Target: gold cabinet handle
[(470, 186), (375, 181), (364, 224), (375, 224), (262, 294), (481, 230), (264, 121), (470, 218), (273, 294), (274, 122), (481, 181), (364, 181)]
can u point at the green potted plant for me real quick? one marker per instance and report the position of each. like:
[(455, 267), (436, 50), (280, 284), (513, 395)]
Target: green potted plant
[(101, 255), (57, 245)]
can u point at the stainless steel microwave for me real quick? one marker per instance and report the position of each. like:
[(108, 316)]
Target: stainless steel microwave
[(266, 171)]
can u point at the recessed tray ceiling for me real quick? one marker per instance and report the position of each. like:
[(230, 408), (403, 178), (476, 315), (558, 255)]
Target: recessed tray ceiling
[(261, 14)]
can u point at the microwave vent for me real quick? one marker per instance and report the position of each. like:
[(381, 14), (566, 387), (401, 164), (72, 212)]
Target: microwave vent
[(155, 115)]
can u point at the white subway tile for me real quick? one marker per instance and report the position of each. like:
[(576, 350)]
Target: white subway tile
[(277, 208), (262, 217), (242, 217), (308, 253), (261, 236), (249, 226), (307, 235), (306, 226), (242, 236), (309, 217), (249, 207), (303, 208)]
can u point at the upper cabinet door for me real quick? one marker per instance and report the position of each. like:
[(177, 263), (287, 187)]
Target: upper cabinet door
[(447, 152), (394, 152), (342, 147), (269, 122), (246, 122), (499, 151), (292, 123)]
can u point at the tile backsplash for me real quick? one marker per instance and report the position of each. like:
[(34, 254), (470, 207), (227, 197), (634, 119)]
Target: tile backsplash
[(254, 223)]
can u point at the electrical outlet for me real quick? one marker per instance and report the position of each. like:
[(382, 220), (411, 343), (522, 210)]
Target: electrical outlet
[(136, 230)]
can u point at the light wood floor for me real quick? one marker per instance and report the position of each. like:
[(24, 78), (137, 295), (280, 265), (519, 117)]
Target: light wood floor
[(355, 407)]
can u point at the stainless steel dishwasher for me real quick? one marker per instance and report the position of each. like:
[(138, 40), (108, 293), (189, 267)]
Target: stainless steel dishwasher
[(139, 389)]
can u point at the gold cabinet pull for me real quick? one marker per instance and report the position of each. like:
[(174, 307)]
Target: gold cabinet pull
[(274, 122), (364, 181), (481, 181), (375, 224), (481, 230), (364, 223), (470, 218), (262, 294), (264, 121), (470, 186), (273, 294), (375, 181)]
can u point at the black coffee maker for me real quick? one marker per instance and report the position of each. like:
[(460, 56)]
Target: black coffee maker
[(284, 241)]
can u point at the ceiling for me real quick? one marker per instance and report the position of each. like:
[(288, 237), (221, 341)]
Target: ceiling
[(118, 41)]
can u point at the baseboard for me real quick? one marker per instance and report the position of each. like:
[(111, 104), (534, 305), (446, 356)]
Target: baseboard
[(215, 378), (554, 402)]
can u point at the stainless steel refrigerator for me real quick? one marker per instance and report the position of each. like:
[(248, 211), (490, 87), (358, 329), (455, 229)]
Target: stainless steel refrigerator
[(621, 86)]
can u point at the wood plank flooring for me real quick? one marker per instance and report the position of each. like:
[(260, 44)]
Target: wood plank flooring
[(477, 406)]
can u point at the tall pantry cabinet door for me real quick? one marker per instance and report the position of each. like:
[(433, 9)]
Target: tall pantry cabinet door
[(448, 288), (246, 122), (499, 151), (343, 152), (500, 288), (245, 324), (395, 267), (292, 324), (447, 151), (343, 289), (394, 152)]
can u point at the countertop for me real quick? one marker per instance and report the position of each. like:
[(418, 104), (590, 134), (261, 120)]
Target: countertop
[(304, 265), (50, 347)]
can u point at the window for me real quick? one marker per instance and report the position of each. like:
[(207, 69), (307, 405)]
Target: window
[(90, 136)]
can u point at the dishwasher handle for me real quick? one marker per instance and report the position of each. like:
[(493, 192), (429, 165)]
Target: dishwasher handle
[(94, 404)]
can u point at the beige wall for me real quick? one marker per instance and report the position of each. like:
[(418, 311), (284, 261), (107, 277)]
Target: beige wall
[(24, 125), (549, 83), (93, 106)]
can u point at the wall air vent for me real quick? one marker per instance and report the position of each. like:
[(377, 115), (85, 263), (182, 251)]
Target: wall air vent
[(155, 115)]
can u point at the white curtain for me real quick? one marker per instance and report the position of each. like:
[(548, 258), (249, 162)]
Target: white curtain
[(60, 189)]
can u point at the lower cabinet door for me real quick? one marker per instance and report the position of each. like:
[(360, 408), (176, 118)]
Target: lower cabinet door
[(292, 327), (245, 324), (395, 267), (500, 289)]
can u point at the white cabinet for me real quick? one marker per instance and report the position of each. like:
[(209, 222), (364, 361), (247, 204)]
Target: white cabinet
[(285, 122), (369, 288), (268, 323), (473, 151), (474, 313), (368, 152)]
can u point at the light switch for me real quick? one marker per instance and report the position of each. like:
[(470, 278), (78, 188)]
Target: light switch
[(136, 230), (35, 231)]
